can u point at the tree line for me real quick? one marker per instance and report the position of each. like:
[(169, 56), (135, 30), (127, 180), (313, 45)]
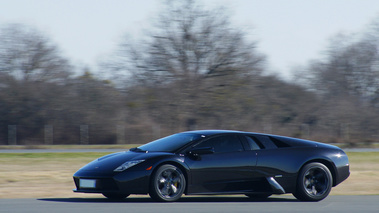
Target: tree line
[(193, 70)]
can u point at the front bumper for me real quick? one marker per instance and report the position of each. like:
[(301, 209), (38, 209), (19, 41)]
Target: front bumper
[(101, 185), (136, 182)]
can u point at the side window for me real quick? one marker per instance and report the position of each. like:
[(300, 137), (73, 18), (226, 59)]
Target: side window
[(265, 141), (228, 143), (279, 143), (205, 144), (252, 143)]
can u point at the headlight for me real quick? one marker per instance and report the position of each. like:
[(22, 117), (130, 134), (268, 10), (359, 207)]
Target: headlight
[(127, 165)]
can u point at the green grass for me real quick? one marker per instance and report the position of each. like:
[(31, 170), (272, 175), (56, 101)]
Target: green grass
[(362, 157), (55, 156), (108, 146)]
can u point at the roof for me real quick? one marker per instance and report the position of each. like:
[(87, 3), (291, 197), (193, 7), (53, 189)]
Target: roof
[(213, 132)]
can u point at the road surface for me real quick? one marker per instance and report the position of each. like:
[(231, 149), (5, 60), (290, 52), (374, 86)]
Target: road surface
[(283, 204)]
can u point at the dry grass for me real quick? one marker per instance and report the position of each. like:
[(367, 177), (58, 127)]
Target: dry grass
[(364, 175), (50, 174), (40, 175)]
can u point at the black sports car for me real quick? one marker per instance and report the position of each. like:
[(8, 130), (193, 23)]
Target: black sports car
[(218, 162)]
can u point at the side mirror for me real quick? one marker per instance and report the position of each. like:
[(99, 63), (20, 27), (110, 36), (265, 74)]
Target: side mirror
[(201, 151)]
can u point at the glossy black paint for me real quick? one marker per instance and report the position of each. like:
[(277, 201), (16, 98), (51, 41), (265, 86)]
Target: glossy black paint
[(262, 164)]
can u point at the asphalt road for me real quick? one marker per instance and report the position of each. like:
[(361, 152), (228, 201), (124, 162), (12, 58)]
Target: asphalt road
[(191, 204)]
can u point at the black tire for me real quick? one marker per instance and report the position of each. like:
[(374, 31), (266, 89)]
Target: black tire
[(167, 184), (314, 182), (262, 196), (115, 196)]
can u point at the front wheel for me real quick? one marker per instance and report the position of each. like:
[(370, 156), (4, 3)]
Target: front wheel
[(314, 182), (167, 184)]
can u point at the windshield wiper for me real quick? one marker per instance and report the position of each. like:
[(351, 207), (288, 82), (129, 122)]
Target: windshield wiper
[(136, 149)]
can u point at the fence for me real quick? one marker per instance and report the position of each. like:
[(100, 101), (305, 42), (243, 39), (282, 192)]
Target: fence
[(120, 134), (75, 134)]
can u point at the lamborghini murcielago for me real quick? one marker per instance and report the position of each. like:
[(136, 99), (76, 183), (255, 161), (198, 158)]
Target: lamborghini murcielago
[(218, 162)]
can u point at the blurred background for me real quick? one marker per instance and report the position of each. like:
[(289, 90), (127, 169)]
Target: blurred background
[(190, 67)]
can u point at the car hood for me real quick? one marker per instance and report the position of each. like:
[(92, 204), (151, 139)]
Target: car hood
[(112, 161)]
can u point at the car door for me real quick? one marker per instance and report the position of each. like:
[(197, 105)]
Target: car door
[(277, 160), (228, 169)]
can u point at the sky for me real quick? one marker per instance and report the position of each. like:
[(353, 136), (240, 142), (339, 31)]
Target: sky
[(288, 32)]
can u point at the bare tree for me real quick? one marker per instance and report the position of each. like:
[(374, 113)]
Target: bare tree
[(353, 70), (29, 56), (189, 42), (347, 80), (190, 54)]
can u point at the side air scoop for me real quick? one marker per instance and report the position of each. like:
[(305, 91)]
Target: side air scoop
[(276, 187)]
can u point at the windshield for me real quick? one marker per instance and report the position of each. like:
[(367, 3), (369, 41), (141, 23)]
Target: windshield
[(169, 143)]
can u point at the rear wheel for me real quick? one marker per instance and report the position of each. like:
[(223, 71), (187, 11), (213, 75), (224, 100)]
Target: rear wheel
[(314, 182), (115, 196), (167, 184)]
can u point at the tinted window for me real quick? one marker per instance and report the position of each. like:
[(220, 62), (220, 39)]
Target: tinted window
[(265, 141), (253, 145), (228, 143), (170, 143), (279, 143)]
